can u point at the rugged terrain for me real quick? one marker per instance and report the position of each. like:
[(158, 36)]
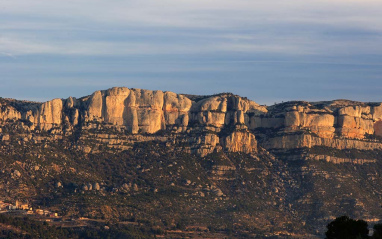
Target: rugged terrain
[(219, 163)]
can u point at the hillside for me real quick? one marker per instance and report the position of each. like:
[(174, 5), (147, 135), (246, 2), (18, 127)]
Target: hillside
[(211, 165)]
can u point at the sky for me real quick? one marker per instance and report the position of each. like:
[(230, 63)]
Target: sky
[(269, 51)]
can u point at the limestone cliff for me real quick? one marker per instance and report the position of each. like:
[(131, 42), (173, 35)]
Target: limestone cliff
[(339, 124), (224, 121), (329, 119), (137, 111)]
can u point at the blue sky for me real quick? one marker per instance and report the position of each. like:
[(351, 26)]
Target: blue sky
[(269, 51)]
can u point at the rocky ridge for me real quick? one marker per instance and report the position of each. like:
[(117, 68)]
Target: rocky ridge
[(207, 124)]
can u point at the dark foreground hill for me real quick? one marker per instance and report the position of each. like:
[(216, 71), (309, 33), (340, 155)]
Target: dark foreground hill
[(200, 166)]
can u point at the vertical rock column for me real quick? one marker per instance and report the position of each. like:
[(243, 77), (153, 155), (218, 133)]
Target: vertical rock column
[(49, 114)]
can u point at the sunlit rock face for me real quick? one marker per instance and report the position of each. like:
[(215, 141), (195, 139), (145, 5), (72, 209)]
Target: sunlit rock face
[(175, 110), (49, 114), (219, 122), (342, 118), (239, 141), (8, 113)]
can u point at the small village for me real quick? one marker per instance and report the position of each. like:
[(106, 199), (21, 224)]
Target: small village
[(22, 208)]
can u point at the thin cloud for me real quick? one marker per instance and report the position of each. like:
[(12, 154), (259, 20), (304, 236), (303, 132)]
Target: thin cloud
[(246, 42)]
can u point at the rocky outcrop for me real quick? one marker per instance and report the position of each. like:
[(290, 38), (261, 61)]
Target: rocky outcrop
[(224, 121), (176, 108), (339, 118), (309, 141), (48, 115), (148, 112), (225, 109), (239, 141), (140, 111), (9, 113), (338, 160)]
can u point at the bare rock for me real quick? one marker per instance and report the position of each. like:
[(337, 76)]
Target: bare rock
[(135, 187), (218, 192), (96, 186), (16, 173), (49, 114), (239, 141), (5, 137), (126, 186)]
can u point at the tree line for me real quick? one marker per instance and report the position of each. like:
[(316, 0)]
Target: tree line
[(345, 227)]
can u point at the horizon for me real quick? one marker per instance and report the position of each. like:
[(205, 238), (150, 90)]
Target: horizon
[(210, 95)]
